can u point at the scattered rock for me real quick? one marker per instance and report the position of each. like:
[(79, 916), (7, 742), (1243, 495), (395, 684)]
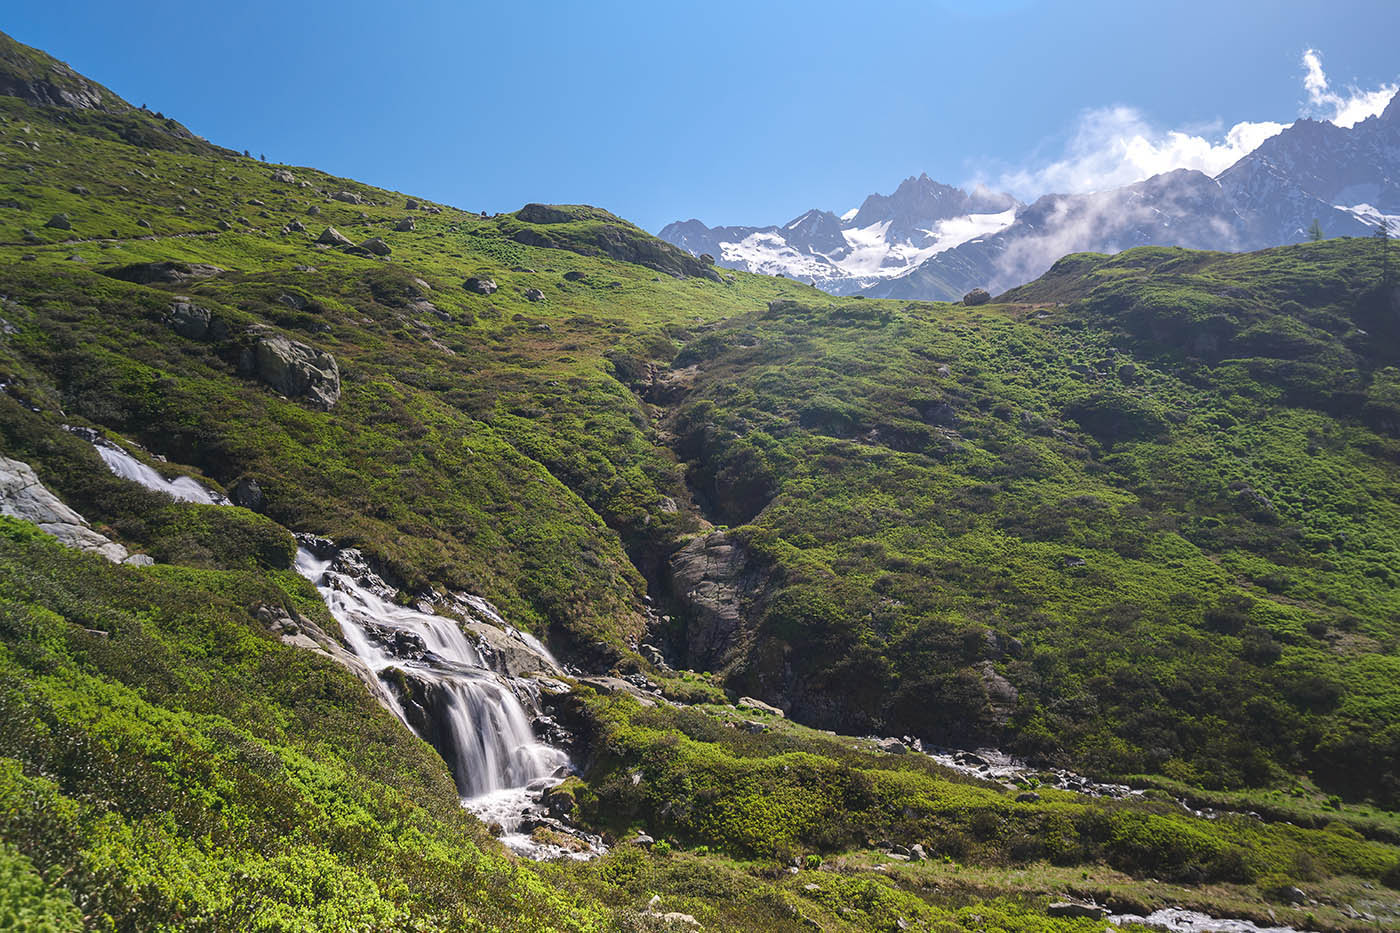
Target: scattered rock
[(404, 226), (978, 296), (642, 839), (574, 276), (348, 197), (284, 176), (60, 222), (296, 226), (1029, 796), (144, 223), (376, 246), (892, 746), (224, 225), (752, 727), (481, 286), (533, 294), (80, 190), (410, 205), (917, 853), (333, 237)]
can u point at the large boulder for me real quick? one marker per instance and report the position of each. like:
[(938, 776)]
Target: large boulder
[(480, 285), (978, 296), (23, 496), (294, 369), (169, 272), (333, 237), (376, 246), (189, 320)]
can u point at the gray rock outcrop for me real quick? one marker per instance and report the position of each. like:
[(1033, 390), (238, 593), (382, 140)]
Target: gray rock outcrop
[(162, 273), (715, 578), (23, 496), (292, 368)]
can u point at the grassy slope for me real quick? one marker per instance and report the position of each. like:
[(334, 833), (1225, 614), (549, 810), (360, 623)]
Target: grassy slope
[(1194, 553), (499, 445)]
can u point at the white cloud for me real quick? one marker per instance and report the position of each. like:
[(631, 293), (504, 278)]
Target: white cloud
[(1113, 146), (1346, 109)]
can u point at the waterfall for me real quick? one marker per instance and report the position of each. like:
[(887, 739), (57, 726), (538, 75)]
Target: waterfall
[(431, 677), (181, 487), (446, 694)]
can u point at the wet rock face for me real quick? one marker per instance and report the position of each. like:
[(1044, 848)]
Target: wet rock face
[(428, 707), (715, 578)]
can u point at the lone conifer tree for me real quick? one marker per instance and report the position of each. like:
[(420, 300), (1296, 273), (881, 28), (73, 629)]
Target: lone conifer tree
[(1315, 231)]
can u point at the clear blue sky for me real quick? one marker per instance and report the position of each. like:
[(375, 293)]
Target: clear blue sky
[(734, 112)]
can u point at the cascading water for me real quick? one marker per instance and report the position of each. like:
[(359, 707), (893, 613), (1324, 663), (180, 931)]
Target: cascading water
[(181, 487), (447, 694), (442, 687)]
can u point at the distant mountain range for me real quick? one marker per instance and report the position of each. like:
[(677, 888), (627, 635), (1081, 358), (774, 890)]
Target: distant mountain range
[(930, 240)]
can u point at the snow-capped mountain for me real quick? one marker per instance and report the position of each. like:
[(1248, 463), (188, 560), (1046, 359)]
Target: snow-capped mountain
[(1283, 184), (933, 241), (887, 236)]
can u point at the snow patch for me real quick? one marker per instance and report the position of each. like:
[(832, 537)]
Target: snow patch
[(1371, 215)]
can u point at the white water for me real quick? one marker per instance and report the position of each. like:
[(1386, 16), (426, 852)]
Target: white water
[(500, 767), (1179, 920), (181, 487), (496, 749)]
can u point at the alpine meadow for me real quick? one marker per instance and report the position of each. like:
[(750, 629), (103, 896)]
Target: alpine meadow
[(370, 563)]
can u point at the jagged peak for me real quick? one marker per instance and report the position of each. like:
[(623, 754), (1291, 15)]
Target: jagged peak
[(1391, 113)]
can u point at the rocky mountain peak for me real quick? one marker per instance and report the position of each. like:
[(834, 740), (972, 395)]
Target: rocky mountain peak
[(1391, 114)]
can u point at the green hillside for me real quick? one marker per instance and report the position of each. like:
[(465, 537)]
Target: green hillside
[(1137, 519)]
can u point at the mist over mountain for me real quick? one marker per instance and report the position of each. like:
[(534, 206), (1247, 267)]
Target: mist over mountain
[(930, 240)]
